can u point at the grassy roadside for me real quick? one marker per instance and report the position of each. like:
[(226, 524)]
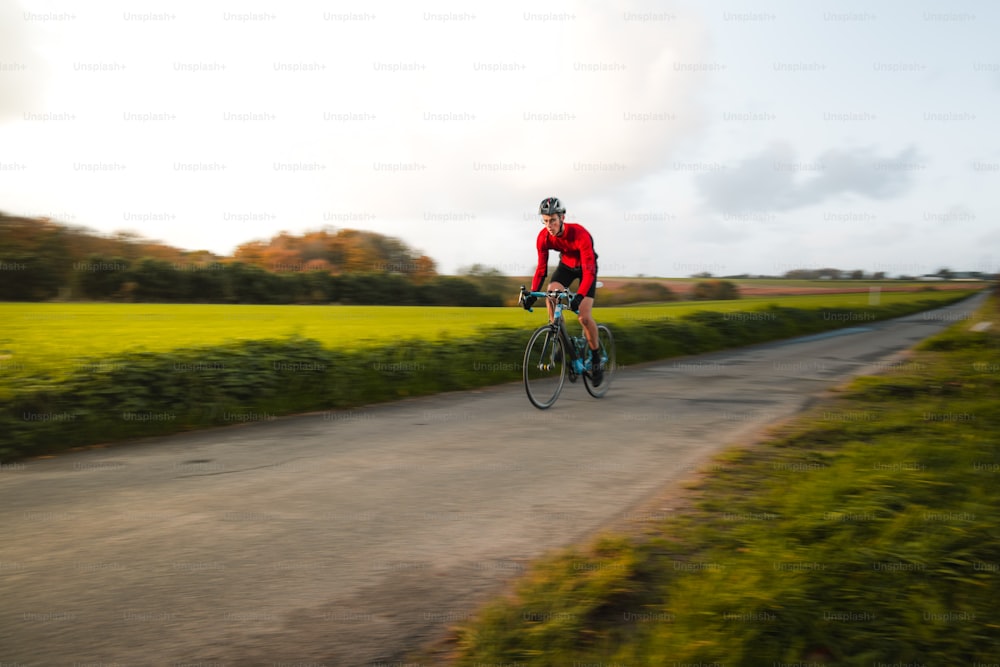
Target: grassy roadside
[(138, 394), (863, 534)]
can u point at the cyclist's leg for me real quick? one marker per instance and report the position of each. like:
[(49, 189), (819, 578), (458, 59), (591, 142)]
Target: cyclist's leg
[(585, 315), (551, 303), (561, 277)]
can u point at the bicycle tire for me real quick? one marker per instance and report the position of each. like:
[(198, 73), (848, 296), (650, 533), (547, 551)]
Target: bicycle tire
[(544, 368), (609, 360)]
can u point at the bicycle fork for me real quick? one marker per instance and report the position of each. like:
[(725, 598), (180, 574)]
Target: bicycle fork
[(549, 353)]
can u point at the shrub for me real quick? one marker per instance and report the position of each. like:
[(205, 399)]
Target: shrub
[(636, 292), (715, 290)]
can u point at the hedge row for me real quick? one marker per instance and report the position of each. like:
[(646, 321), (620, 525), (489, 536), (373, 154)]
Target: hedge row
[(143, 394)]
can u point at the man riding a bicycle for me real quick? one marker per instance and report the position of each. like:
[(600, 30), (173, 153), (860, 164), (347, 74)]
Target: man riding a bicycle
[(577, 260)]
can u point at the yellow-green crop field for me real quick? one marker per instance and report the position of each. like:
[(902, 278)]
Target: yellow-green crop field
[(56, 338)]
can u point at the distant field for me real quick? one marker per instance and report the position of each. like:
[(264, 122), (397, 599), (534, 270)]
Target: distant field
[(780, 286), (53, 339)]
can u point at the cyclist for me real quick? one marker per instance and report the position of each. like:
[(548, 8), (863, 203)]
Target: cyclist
[(577, 259)]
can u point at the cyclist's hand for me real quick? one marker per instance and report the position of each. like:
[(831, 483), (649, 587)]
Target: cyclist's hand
[(528, 302), (574, 305)]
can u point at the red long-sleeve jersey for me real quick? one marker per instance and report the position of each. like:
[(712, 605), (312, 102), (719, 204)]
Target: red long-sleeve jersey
[(576, 250)]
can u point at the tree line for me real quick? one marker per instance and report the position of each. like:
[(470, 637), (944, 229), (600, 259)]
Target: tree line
[(41, 260)]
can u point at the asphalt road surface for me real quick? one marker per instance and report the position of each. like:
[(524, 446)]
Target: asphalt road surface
[(354, 537)]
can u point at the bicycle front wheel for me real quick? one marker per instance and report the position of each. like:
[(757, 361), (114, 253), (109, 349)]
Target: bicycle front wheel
[(609, 362), (544, 367)]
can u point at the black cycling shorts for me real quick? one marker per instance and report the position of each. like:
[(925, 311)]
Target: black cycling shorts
[(565, 275)]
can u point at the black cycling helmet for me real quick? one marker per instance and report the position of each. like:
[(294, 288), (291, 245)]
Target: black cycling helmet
[(550, 206)]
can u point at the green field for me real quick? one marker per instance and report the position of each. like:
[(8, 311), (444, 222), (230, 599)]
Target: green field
[(52, 339), (77, 374)]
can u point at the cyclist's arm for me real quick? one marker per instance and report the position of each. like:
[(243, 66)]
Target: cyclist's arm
[(543, 263), (588, 263)]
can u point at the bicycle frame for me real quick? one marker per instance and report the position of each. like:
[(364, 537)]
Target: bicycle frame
[(578, 363)]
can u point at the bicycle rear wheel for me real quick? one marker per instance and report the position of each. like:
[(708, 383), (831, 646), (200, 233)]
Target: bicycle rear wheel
[(609, 362), (544, 367)]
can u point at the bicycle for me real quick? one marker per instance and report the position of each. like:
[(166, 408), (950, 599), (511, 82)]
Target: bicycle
[(552, 355)]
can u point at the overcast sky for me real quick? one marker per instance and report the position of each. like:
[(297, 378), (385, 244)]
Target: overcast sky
[(720, 136)]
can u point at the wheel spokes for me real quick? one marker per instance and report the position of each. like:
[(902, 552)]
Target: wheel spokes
[(544, 370)]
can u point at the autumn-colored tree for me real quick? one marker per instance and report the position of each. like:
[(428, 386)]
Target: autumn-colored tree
[(251, 252), (425, 268), (318, 265), (343, 251), (35, 258)]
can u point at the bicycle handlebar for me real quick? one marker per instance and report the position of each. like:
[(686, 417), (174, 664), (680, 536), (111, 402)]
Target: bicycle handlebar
[(557, 294)]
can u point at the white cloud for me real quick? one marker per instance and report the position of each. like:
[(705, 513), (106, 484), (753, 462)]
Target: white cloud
[(404, 118), (777, 179), (22, 70), (394, 112)]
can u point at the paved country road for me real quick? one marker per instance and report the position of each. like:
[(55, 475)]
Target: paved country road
[(354, 537)]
